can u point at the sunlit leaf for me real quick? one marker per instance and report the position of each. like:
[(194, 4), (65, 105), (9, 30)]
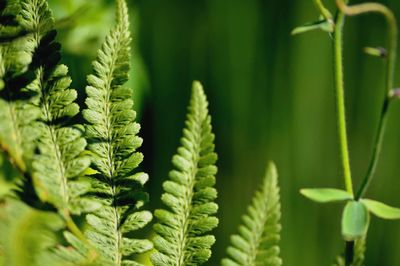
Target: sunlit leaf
[(381, 210), (324, 195)]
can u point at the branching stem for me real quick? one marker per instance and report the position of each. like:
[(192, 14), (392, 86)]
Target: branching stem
[(354, 10), (392, 24)]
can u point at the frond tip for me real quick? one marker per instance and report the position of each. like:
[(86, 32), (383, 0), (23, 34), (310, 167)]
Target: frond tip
[(183, 226), (258, 238)]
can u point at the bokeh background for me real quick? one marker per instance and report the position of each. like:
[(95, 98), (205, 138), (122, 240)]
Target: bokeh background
[(271, 98)]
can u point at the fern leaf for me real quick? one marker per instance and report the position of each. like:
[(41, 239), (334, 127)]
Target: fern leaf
[(257, 241), (183, 228), (60, 145), (18, 100), (40, 104), (113, 141)]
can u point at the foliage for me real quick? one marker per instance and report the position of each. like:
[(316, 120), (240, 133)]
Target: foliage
[(257, 241), (78, 193), (113, 141), (183, 227), (356, 213)]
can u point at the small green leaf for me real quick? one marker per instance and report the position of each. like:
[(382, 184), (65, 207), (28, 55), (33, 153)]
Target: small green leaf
[(324, 195), (355, 220), (324, 25), (381, 210), (376, 51), (90, 171)]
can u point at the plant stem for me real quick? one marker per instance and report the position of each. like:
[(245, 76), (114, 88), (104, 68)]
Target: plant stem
[(376, 149), (356, 10), (392, 50), (341, 116), (349, 253), (340, 102), (323, 10), (391, 20)]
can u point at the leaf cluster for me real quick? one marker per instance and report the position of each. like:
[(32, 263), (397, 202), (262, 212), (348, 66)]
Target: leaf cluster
[(78, 191)]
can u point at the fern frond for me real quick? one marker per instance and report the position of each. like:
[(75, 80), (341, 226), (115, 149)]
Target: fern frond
[(59, 163), (257, 241), (113, 141), (41, 106), (183, 228), (359, 254), (61, 159), (18, 102)]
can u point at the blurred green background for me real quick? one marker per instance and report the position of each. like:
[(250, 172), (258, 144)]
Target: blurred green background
[(271, 98)]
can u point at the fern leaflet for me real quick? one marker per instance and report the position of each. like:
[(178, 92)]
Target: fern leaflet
[(183, 227), (257, 241), (112, 136)]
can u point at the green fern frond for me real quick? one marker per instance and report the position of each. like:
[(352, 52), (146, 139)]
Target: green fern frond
[(359, 254), (259, 235), (18, 102), (61, 159), (59, 163), (183, 228), (113, 141), (40, 105)]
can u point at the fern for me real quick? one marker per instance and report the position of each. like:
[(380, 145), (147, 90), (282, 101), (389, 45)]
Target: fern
[(39, 105), (18, 104), (183, 227), (113, 140), (257, 241), (60, 161)]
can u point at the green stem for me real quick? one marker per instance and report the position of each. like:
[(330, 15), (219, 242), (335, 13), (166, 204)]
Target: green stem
[(340, 102), (391, 20), (376, 150), (349, 252), (323, 10)]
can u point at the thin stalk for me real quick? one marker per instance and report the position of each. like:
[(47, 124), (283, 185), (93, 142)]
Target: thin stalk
[(341, 117), (376, 150), (392, 24), (391, 20), (349, 252), (323, 10), (340, 102)]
